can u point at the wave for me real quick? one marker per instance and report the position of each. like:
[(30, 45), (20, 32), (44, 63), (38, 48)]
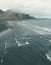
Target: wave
[(35, 28), (42, 30), (48, 55), (17, 43)]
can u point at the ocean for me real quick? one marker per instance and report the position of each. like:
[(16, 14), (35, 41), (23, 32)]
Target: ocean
[(27, 43)]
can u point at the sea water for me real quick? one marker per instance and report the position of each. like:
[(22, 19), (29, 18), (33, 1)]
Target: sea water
[(29, 43)]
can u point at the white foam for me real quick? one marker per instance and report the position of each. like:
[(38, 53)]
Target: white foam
[(40, 32), (43, 28), (48, 57), (16, 40), (22, 23), (23, 44), (39, 29), (2, 60), (5, 46), (27, 43), (19, 44)]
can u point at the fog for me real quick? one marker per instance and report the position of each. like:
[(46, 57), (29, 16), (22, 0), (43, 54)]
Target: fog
[(37, 8)]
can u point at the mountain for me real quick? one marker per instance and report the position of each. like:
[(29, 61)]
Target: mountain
[(1, 11), (10, 15)]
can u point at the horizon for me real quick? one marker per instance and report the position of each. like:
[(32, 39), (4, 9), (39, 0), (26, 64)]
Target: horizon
[(37, 8)]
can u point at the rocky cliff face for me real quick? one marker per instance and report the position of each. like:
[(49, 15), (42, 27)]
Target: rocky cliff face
[(10, 15)]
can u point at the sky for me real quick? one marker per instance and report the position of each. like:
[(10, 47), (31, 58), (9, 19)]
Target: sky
[(37, 8)]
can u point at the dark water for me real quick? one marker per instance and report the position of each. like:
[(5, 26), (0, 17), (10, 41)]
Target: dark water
[(3, 26), (28, 43)]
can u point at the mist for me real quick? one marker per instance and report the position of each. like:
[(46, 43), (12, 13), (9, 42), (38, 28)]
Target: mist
[(37, 8)]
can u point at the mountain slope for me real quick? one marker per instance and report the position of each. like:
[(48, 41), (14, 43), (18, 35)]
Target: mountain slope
[(1, 11), (10, 15)]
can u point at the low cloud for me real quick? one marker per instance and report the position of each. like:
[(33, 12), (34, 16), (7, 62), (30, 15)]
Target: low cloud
[(38, 8)]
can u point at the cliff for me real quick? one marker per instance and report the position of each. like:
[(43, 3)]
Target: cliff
[(10, 15)]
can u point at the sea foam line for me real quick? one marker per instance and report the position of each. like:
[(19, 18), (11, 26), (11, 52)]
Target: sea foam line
[(48, 57), (43, 28)]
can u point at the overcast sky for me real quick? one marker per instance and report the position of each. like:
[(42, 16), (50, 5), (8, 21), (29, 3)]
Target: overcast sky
[(38, 8)]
